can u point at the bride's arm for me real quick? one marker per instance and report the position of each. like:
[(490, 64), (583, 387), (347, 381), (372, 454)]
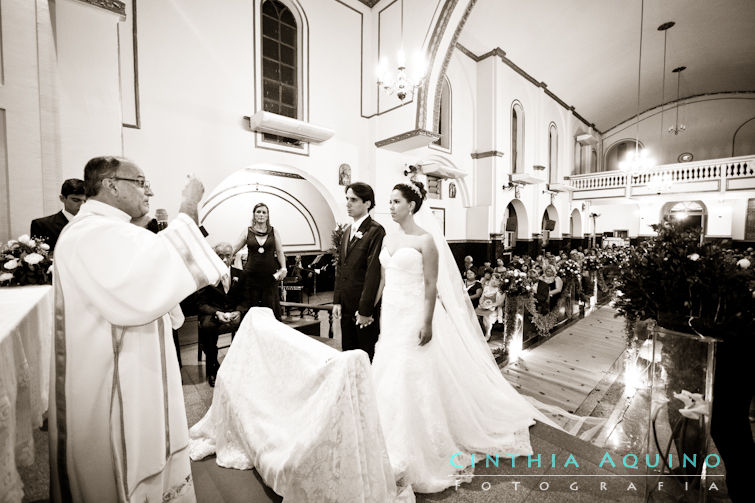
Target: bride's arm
[(379, 294), (430, 265)]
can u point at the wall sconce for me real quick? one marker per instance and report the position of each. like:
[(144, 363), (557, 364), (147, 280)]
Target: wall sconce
[(411, 170), (538, 167), (513, 185)]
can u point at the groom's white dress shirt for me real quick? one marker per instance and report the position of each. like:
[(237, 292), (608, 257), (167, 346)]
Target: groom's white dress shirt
[(357, 223)]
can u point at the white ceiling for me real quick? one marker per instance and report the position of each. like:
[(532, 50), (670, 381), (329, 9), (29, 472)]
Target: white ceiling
[(587, 50)]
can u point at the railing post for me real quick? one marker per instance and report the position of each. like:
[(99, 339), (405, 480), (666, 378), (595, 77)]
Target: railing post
[(724, 168), (330, 324)]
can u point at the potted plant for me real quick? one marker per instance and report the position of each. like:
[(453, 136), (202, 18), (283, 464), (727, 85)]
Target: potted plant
[(694, 293)]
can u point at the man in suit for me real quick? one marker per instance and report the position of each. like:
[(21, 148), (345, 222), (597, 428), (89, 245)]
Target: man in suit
[(72, 195), (358, 273), (219, 311)]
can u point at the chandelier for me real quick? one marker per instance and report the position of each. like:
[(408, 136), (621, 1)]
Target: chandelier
[(639, 160), (678, 127), (403, 83)]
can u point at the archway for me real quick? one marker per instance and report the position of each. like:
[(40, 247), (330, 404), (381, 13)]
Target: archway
[(691, 214), (743, 140), (575, 224), (549, 224), (300, 208), (519, 226)]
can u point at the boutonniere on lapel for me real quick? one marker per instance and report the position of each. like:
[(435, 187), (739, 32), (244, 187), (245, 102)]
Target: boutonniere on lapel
[(358, 235)]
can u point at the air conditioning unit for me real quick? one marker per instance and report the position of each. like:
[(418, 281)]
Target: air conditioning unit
[(268, 122), (511, 224), (549, 225)]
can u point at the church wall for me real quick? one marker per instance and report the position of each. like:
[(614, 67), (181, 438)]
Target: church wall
[(711, 123), (90, 104), (196, 67)]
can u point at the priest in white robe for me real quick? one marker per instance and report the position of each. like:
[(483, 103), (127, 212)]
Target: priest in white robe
[(118, 427)]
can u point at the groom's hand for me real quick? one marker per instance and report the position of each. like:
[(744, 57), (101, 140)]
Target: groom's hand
[(363, 321), (337, 311)]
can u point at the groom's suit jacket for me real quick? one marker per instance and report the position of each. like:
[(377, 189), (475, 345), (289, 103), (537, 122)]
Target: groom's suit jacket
[(358, 272), (49, 227)]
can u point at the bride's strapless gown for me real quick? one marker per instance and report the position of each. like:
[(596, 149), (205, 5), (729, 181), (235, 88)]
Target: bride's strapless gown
[(432, 400)]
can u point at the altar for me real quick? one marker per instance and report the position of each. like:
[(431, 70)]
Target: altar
[(26, 330)]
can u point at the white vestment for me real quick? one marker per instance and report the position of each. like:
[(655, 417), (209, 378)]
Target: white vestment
[(117, 420)]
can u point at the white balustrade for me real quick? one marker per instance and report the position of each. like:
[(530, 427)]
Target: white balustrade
[(688, 172)]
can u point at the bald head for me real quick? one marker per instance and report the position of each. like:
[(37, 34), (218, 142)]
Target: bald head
[(224, 251)]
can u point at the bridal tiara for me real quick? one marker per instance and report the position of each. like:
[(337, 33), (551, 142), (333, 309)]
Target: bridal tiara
[(414, 188)]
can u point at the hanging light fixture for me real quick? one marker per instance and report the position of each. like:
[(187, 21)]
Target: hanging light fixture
[(677, 127), (639, 160), (404, 83), (664, 28)]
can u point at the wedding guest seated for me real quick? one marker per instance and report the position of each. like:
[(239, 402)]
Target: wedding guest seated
[(297, 271), (486, 276), (499, 267), (473, 287), (481, 270), (489, 308), (72, 195), (220, 311), (468, 264)]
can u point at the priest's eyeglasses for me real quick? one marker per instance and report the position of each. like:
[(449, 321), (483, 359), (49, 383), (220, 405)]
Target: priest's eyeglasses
[(140, 182)]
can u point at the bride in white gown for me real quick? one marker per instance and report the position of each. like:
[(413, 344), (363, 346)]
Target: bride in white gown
[(440, 395), (321, 425)]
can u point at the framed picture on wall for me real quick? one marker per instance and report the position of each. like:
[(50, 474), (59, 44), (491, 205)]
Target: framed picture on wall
[(440, 214)]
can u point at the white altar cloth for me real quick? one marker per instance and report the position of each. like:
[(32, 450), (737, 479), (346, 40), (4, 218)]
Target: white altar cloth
[(26, 327)]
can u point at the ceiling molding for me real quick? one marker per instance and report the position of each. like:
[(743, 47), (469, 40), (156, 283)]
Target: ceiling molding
[(114, 6), (633, 117), (500, 53), (489, 153)]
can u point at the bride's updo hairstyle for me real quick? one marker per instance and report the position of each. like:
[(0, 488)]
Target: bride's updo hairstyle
[(412, 191)]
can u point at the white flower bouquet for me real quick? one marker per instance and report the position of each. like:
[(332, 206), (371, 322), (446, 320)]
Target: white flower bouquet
[(25, 261)]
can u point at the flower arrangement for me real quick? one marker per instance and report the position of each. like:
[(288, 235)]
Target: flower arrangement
[(336, 239), (685, 285), (611, 257), (569, 270), (591, 263), (515, 282), (25, 261)]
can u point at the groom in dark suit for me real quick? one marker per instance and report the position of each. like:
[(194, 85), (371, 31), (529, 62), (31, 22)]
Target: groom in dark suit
[(72, 195), (358, 273)]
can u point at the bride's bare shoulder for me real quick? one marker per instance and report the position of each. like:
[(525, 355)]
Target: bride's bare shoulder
[(426, 240)]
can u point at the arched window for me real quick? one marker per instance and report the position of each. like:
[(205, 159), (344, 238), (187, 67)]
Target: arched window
[(552, 154), (279, 82), (281, 78), (444, 116), (517, 138), (618, 152)]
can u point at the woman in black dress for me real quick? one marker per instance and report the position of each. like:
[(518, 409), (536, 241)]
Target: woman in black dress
[(265, 266)]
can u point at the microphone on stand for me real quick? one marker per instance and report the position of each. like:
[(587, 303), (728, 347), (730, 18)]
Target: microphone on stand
[(161, 215)]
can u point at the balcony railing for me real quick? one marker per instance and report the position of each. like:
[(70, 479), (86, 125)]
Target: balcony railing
[(731, 173)]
